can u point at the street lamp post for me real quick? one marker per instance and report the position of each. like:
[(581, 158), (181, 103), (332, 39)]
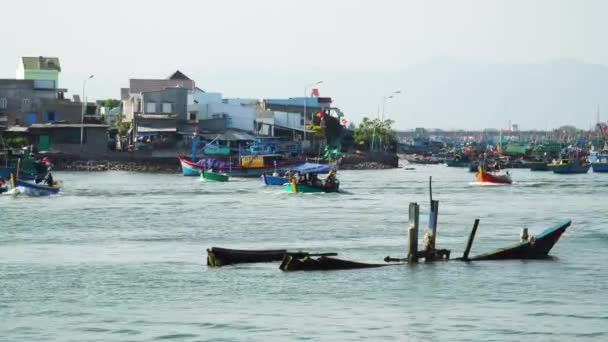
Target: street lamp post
[(306, 100), (384, 98), (84, 103)]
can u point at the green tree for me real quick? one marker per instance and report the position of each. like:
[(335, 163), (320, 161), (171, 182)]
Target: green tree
[(376, 134), (111, 103)]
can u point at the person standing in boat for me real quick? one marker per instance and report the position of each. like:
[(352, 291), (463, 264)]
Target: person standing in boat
[(48, 179)]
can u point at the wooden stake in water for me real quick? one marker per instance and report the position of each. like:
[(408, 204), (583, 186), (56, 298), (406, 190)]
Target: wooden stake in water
[(465, 256), (412, 232), (433, 215)]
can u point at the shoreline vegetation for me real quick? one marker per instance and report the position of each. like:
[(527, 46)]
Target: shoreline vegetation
[(171, 165)]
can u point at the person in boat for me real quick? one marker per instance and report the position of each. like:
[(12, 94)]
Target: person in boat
[(330, 181), (48, 179), (315, 181)]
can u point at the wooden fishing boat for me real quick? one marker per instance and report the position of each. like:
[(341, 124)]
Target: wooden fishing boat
[(486, 177), (274, 180), (36, 189), (538, 166), (249, 166), (536, 247), (323, 263), (217, 256), (305, 179), (569, 166), (214, 176)]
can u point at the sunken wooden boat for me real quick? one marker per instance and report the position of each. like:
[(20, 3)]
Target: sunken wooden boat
[(323, 263), (217, 256), (536, 247)]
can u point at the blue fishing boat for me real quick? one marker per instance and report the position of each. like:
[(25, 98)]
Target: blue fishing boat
[(599, 161), (569, 166), (274, 180), (36, 189)]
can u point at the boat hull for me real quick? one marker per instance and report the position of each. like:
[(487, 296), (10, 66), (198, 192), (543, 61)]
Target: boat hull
[(217, 257), (193, 169), (273, 180), (305, 188), (538, 166), (293, 263), (484, 177), (36, 189), (456, 163), (214, 176), (599, 167), (538, 248), (569, 168)]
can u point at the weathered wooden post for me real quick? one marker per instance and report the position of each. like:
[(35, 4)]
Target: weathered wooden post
[(412, 233), (465, 256)]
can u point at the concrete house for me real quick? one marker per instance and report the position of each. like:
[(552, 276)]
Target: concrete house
[(43, 70)]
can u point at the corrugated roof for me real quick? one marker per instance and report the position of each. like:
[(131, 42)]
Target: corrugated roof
[(145, 129), (41, 63)]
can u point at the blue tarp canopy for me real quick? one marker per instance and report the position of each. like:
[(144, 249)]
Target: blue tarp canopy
[(312, 168)]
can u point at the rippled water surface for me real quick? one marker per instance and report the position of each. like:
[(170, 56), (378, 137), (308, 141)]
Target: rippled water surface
[(121, 257)]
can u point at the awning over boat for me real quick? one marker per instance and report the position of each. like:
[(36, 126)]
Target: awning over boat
[(312, 168)]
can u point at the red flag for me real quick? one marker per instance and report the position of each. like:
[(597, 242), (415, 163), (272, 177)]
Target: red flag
[(344, 122), (314, 92), (320, 115)]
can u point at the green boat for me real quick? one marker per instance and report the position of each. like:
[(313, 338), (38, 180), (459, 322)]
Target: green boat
[(304, 179), (214, 176), (456, 163)]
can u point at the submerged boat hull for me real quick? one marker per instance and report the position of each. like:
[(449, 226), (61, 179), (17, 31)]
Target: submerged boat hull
[(293, 263), (217, 256), (536, 248)]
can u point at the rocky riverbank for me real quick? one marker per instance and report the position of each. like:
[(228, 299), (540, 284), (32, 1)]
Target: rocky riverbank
[(107, 165)]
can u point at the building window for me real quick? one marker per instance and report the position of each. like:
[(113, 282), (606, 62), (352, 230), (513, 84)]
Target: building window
[(167, 107), (150, 107), (192, 116), (31, 118), (25, 102), (50, 116), (3, 103)]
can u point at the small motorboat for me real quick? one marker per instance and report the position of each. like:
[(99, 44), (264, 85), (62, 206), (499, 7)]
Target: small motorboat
[(483, 176), (600, 162), (214, 176), (305, 179), (37, 189)]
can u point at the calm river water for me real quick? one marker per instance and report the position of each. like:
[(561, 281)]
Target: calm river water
[(121, 257)]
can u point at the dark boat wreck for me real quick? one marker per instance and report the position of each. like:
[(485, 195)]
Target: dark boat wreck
[(534, 247), (217, 256), (323, 263)]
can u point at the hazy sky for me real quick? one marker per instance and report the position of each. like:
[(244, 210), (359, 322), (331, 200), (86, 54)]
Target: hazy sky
[(263, 49)]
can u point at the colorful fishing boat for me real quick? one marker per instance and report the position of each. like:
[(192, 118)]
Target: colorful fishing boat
[(249, 166), (305, 179), (534, 247), (214, 176), (600, 162), (483, 176), (569, 166), (36, 189), (274, 180)]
